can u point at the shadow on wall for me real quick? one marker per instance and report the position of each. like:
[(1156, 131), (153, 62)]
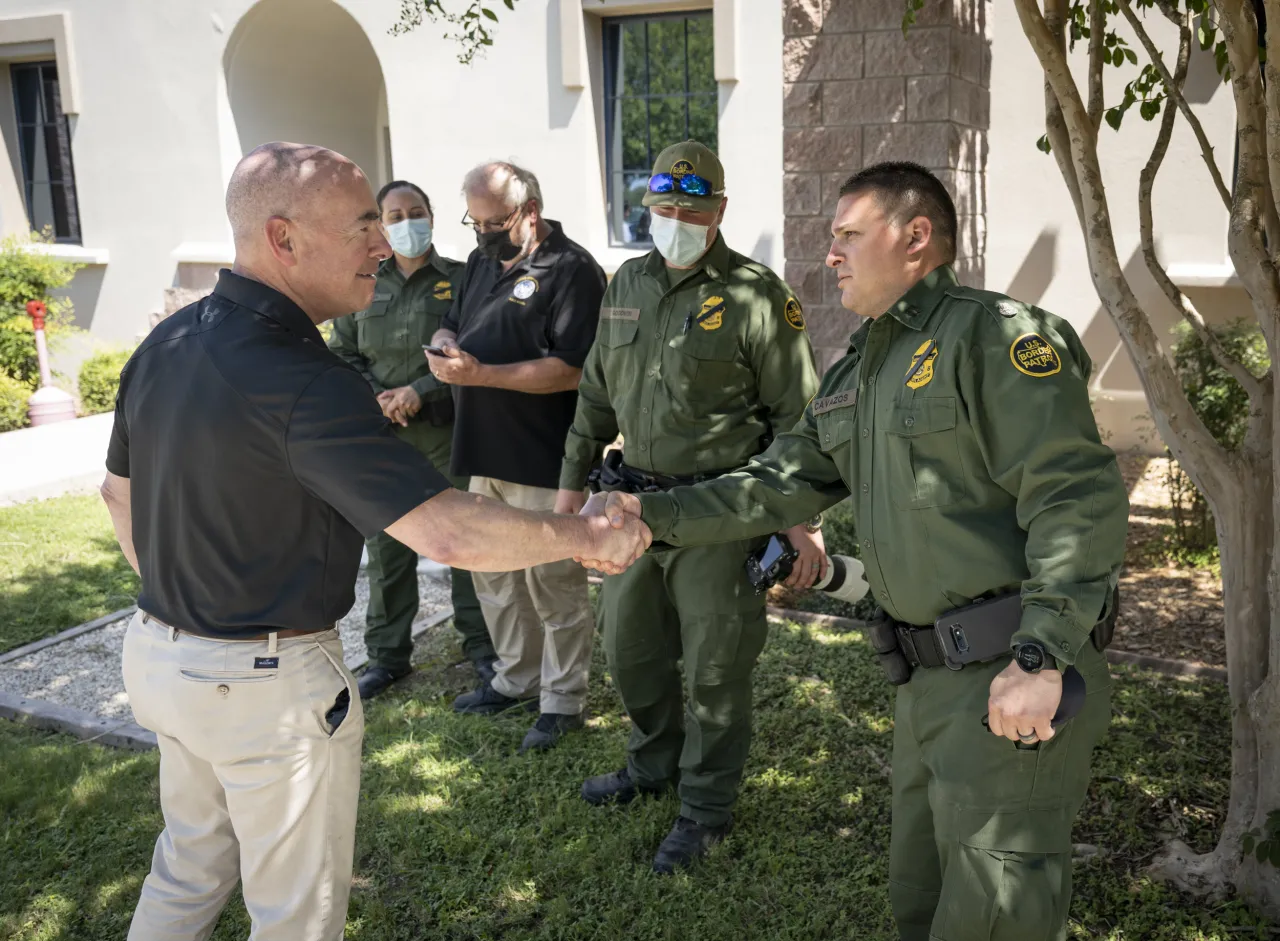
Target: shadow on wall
[(83, 292), (1035, 274)]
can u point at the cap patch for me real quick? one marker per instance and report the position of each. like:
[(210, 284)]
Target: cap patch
[(920, 374), (794, 315), (681, 168), (1032, 355)]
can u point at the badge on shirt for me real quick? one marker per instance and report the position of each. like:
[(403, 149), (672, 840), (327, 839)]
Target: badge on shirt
[(711, 316), (921, 372), (524, 289), (443, 291), (1032, 355), (794, 315)]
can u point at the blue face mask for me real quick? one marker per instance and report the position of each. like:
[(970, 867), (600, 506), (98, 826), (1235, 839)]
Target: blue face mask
[(410, 238)]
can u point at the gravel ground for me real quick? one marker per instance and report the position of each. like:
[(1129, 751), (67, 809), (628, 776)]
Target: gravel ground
[(84, 673)]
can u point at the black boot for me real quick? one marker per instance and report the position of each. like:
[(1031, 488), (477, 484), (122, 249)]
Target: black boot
[(548, 730), (484, 700), (687, 842), (616, 787), (485, 668), (375, 680)]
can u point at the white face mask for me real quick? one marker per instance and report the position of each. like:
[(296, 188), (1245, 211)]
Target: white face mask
[(410, 238), (681, 243)]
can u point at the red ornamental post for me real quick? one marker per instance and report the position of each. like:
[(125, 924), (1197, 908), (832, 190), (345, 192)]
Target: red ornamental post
[(48, 404)]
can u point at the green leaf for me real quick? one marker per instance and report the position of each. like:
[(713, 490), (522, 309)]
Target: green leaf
[(1043, 144), (1114, 117), (1247, 843), (1149, 109), (1274, 857), (1205, 33), (1263, 850), (510, 4), (1131, 56), (489, 13)]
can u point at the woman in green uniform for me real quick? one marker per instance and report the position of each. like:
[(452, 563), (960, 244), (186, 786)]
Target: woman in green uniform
[(414, 292)]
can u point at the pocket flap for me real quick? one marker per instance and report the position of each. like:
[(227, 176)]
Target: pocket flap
[(923, 417), (616, 331), (716, 345)]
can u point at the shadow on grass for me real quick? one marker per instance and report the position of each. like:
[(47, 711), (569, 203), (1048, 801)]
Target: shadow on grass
[(460, 838), (40, 600)]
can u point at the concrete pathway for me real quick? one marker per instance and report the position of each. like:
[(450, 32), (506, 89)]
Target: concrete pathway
[(67, 457)]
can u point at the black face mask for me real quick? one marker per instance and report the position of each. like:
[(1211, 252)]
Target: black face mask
[(497, 246)]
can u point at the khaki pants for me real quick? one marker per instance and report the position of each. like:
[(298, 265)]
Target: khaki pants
[(540, 618), (254, 784)]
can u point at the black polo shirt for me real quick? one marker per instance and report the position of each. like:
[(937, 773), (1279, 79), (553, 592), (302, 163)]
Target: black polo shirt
[(547, 305), (258, 462)]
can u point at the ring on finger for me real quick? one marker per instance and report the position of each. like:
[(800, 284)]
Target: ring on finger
[(1027, 737)]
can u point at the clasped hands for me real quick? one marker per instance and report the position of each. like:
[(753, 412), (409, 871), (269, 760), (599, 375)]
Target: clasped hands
[(619, 537)]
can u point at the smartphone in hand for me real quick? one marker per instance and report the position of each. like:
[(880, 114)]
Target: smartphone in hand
[(434, 350)]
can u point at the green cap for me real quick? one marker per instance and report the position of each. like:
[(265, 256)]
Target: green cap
[(683, 159)]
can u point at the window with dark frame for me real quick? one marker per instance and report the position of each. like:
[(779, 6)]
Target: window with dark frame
[(44, 143), (660, 89)]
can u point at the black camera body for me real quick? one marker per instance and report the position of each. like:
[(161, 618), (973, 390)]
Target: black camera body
[(771, 564)]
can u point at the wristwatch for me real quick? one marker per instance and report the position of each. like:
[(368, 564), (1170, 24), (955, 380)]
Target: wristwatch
[(814, 525), (1030, 657)]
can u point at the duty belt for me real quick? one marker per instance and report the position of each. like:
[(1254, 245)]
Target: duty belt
[(919, 645), (614, 474)]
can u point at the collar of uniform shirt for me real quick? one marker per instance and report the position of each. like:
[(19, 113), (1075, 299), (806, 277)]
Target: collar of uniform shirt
[(388, 265), (913, 308), (267, 301), (715, 263)]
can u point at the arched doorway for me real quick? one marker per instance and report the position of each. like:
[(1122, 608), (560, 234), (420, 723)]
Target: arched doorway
[(304, 70)]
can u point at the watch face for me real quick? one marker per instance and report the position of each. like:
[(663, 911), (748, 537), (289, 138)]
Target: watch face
[(1030, 657)]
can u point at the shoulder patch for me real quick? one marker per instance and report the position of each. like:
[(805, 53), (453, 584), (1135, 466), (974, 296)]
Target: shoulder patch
[(793, 313), (1033, 355)]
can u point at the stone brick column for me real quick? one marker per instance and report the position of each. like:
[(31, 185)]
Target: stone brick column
[(856, 91)]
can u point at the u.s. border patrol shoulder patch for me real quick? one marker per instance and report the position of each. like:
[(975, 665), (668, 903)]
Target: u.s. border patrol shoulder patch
[(793, 313), (1033, 355)]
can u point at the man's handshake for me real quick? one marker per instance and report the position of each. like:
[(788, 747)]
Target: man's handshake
[(620, 536)]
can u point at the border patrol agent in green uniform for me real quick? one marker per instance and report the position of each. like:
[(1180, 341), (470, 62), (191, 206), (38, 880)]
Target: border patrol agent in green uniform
[(701, 358), (414, 291), (960, 424)]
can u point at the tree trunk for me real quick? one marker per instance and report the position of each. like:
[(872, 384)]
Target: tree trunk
[(1246, 538)]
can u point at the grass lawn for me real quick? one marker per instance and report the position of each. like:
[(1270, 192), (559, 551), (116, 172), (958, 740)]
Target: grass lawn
[(59, 567), (459, 838)]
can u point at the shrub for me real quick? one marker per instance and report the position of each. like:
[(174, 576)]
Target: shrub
[(1223, 406), (30, 276), (100, 380), (13, 403)]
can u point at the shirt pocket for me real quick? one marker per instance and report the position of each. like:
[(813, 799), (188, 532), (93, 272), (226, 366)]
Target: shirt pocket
[(615, 332), (372, 327), (924, 456), (709, 357)]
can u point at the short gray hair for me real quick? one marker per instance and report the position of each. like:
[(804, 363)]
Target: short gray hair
[(515, 185)]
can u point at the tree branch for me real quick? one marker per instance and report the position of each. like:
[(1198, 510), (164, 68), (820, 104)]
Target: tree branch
[(1204, 459), (1174, 90), (1146, 184), (1055, 14), (1253, 209), (1097, 35)]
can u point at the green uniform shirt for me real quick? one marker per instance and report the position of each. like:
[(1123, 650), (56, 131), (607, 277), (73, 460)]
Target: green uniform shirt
[(385, 342), (960, 423), (698, 377)]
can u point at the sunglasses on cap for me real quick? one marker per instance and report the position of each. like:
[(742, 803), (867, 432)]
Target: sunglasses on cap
[(690, 184)]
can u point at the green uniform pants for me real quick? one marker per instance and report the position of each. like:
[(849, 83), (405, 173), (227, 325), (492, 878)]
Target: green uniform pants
[(981, 844), (694, 604), (393, 578)]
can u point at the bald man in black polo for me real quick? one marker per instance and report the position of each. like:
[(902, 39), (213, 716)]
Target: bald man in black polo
[(246, 467)]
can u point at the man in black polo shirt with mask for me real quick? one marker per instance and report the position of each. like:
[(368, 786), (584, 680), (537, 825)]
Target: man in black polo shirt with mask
[(522, 322), (246, 466)]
